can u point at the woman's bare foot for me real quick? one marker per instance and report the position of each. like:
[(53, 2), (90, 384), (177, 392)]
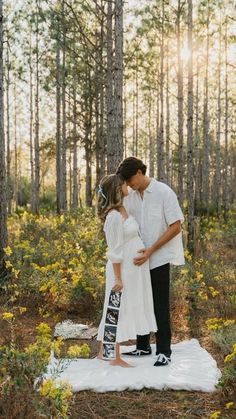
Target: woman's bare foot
[(120, 363)]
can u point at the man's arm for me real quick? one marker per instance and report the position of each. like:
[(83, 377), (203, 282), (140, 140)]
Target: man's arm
[(170, 233)]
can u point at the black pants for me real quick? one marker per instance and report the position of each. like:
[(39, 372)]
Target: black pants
[(160, 278)]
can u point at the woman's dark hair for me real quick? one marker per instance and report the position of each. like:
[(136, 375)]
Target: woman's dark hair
[(129, 168)]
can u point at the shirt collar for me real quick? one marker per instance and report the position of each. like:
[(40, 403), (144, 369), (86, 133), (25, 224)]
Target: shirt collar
[(150, 186)]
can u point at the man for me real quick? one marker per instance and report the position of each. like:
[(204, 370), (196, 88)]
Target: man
[(156, 209)]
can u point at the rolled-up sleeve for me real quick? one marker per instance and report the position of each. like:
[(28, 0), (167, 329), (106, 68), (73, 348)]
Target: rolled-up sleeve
[(172, 209), (113, 229)]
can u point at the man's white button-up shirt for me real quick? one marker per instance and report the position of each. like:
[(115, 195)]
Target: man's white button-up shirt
[(154, 212)]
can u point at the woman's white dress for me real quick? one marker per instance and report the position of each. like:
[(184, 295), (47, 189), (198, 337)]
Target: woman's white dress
[(136, 311)]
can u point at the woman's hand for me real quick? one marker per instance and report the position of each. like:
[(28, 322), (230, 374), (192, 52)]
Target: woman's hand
[(118, 285)]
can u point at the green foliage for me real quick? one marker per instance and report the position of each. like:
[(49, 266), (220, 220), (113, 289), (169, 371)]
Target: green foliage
[(23, 393), (211, 284), (57, 260), (228, 378)]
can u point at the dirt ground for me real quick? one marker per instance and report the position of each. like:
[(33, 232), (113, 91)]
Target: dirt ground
[(146, 403)]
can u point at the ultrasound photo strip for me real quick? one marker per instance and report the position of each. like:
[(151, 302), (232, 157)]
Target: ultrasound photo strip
[(108, 350), (111, 322), (114, 299)]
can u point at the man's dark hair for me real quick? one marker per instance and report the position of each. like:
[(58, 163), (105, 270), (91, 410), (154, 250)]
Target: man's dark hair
[(129, 167)]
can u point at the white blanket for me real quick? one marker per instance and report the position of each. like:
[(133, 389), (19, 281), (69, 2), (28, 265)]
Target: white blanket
[(192, 368)]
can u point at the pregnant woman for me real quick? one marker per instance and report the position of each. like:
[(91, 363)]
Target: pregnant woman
[(136, 314)]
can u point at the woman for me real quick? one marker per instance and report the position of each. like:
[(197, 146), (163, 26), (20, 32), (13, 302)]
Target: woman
[(136, 314)]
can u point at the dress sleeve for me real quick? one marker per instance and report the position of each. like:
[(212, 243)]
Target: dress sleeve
[(172, 209), (113, 229)]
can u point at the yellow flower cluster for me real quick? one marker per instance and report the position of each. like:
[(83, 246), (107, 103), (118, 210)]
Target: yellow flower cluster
[(198, 275), (229, 405), (187, 255), (56, 345), (22, 310), (215, 415), (213, 291), (43, 330), (7, 316), (76, 351), (232, 355), (217, 323), (60, 393), (7, 251), (202, 295)]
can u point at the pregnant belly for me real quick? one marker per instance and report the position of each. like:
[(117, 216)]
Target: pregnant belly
[(131, 249)]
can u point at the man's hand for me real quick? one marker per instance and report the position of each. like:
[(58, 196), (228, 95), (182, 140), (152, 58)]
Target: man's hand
[(145, 255)]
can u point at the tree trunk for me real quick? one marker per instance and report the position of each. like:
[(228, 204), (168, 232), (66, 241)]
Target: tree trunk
[(226, 127), (217, 177), (157, 109), (31, 123), (35, 206), (3, 193), (109, 88), (160, 146), (190, 194), (15, 188), (196, 143), (167, 162), (99, 96), (116, 149), (150, 135), (180, 109), (9, 187), (88, 141), (75, 191), (125, 119), (133, 124), (205, 151), (136, 105), (63, 98), (58, 121)]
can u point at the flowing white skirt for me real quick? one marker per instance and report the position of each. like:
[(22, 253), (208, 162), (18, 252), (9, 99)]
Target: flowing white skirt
[(136, 315)]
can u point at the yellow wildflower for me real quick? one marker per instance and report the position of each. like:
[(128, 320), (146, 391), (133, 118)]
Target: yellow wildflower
[(229, 405), (46, 388), (8, 264), (187, 255), (56, 345), (84, 353), (229, 322), (203, 296), (213, 291), (7, 316), (7, 251), (74, 351), (229, 357), (198, 275), (22, 309), (215, 415), (43, 329)]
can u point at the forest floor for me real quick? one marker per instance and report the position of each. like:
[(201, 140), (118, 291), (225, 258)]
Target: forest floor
[(187, 323), (165, 404)]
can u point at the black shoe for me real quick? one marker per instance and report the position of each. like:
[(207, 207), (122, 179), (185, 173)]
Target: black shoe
[(139, 352), (162, 360)]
